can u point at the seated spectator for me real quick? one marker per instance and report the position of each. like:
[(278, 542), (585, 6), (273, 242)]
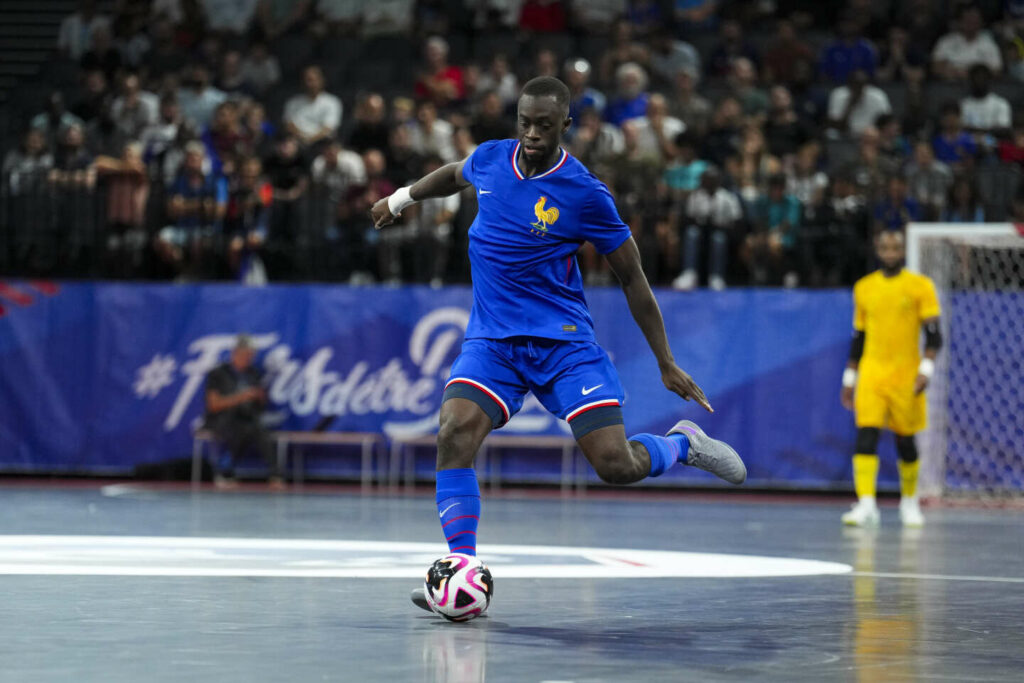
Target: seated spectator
[(131, 37), (26, 167), (334, 173), (900, 59), (286, 171), (102, 55), (499, 77), (624, 50), (597, 17), (731, 46), (389, 17), (545, 63), (963, 205), (315, 115), (850, 52), (712, 215), (969, 44), (982, 110), (230, 79), (925, 21), (869, 170), (744, 87), (1011, 150), (771, 249), (361, 198), (55, 119), (72, 162), (837, 236), (229, 17), (786, 50), (77, 30), (370, 129), (342, 17), (403, 162), (630, 100), (684, 171), (891, 143), (810, 102), (490, 121), (928, 181), (751, 167), (952, 144), (595, 141), (440, 82), (433, 226), (260, 70), (95, 97), (197, 201), (897, 208), (247, 220), (258, 130), (235, 399), (543, 16), (158, 138), (582, 96), (337, 169), (854, 107), (657, 130), (127, 191), (723, 137), (278, 17), (431, 135), (225, 139), (197, 98), (134, 109), (783, 130), (669, 55), (805, 180), (686, 104)]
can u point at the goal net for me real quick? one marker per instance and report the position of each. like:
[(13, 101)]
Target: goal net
[(974, 444)]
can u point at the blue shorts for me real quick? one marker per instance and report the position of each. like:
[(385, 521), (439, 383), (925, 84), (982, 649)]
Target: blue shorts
[(574, 380)]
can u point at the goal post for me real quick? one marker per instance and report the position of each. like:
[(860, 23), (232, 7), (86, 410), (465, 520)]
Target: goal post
[(974, 444)]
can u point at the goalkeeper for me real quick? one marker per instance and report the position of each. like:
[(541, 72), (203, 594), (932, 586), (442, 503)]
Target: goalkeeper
[(886, 376)]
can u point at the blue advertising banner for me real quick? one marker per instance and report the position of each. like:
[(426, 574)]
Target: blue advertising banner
[(102, 377)]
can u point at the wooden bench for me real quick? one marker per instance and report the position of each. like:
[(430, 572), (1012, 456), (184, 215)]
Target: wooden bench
[(402, 463), (371, 445)]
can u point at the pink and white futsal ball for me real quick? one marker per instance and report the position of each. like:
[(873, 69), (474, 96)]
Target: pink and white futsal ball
[(459, 587)]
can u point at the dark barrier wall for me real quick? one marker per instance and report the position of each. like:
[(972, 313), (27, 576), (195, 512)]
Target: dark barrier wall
[(102, 377)]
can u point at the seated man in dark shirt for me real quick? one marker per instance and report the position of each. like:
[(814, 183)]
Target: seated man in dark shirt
[(234, 400)]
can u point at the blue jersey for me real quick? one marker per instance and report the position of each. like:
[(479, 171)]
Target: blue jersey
[(523, 243)]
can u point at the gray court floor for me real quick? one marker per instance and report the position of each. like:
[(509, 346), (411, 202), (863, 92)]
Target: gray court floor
[(946, 603)]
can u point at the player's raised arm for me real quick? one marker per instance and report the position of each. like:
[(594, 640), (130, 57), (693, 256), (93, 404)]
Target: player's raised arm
[(625, 263), (444, 181)]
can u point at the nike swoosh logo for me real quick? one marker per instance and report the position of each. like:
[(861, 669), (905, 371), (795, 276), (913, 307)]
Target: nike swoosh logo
[(485, 191), (587, 392), (447, 509)]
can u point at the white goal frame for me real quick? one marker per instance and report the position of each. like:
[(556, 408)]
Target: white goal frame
[(932, 442)]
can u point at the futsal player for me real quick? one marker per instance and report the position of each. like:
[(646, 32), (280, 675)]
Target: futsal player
[(530, 328), (890, 307)]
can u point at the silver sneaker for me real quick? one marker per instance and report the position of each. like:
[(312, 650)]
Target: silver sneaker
[(711, 455)]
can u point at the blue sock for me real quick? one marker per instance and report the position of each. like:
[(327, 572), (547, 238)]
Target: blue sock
[(665, 451), (458, 506)]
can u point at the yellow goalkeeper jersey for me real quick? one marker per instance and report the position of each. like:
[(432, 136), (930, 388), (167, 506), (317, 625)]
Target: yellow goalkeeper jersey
[(890, 310)]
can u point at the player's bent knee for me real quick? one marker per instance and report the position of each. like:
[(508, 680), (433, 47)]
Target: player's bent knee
[(867, 440), (463, 428), (906, 448)]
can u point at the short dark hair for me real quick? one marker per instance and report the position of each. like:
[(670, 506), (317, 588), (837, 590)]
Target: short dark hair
[(548, 86)]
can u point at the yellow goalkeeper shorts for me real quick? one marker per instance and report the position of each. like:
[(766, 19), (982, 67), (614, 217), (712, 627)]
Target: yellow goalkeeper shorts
[(889, 402)]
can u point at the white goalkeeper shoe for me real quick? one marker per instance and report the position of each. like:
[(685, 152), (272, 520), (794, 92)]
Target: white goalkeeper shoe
[(910, 512), (862, 513)]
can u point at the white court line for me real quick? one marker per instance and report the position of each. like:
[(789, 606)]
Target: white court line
[(939, 577)]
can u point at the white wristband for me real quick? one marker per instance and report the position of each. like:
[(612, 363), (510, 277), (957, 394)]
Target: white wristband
[(399, 200), (849, 378), (926, 368)]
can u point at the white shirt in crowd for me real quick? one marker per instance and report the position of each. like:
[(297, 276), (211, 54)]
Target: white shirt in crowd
[(261, 74), (348, 171), (385, 17), (340, 10), (808, 188), (872, 102), (197, 106), (721, 209), (647, 138), (311, 116), (75, 35), (229, 15), (963, 54), (986, 113), (150, 105), (430, 209), (437, 141), (599, 12)]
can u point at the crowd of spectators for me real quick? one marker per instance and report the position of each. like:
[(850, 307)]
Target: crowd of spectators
[(745, 141)]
